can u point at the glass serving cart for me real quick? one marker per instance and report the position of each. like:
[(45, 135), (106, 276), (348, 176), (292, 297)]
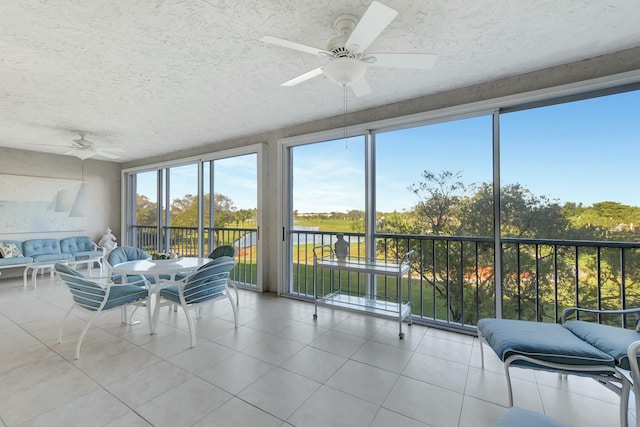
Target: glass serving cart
[(335, 295)]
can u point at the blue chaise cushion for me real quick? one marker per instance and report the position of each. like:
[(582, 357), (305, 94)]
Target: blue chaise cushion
[(548, 342), (612, 340)]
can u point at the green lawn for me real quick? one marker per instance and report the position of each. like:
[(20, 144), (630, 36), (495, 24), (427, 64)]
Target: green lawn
[(328, 224)]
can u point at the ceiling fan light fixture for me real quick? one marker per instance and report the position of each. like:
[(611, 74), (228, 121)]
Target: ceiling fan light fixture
[(344, 71)]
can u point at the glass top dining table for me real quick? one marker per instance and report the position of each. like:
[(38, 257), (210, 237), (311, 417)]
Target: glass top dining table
[(159, 268)]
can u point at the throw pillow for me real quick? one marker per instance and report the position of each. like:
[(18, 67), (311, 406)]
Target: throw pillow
[(9, 250)]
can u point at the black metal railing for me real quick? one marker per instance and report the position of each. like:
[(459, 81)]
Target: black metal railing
[(452, 280), (185, 241)]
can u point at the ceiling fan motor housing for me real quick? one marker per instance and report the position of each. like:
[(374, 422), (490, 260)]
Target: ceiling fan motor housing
[(344, 25)]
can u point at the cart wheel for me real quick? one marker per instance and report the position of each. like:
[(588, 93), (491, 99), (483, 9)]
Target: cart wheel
[(315, 316), (401, 335)]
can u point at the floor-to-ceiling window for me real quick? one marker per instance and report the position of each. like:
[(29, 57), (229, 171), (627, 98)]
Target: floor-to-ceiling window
[(435, 183), (232, 218), (183, 203), (517, 212), (195, 207), (569, 171), (146, 216)]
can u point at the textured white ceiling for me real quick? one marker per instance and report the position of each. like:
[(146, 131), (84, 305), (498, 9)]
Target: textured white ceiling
[(157, 76)]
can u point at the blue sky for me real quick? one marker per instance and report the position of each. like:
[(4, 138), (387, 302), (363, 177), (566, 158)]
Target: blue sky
[(584, 152), (235, 177)]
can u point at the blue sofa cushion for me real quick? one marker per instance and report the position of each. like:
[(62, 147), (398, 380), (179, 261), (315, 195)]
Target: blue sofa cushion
[(548, 342), (52, 257), (518, 417), (612, 340), (15, 261), (41, 247), (77, 245)]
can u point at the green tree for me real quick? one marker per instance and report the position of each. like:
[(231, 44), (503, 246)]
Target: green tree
[(184, 210), (447, 207), (146, 211)]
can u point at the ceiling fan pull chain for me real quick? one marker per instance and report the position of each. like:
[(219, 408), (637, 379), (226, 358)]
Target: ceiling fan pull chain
[(346, 141)]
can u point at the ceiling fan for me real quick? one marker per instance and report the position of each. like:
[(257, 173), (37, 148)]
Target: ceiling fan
[(83, 149), (348, 53)]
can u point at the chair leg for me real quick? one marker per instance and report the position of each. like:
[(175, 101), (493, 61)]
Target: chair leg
[(509, 389), (149, 315), (480, 340), (62, 323), (156, 314), (83, 333), (235, 288), (624, 401), (192, 329), (130, 322), (235, 310)]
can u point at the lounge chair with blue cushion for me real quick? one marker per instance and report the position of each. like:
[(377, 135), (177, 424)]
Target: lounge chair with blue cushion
[(604, 353)]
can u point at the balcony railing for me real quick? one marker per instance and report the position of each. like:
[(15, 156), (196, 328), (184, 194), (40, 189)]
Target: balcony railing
[(184, 241), (452, 281)]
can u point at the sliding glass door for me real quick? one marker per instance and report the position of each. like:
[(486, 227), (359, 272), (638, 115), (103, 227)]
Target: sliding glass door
[(327, 197)]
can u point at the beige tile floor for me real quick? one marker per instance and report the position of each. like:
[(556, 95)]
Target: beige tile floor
[(279, 368)]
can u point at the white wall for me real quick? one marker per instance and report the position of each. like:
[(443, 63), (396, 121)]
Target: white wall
[(102, 179)]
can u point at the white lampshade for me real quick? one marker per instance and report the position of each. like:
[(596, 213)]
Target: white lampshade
[(345, 71)]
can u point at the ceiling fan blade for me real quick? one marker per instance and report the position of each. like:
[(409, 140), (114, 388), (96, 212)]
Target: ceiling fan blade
[(293, 45), (51, 145), (376, 18), (111, 149), (303, 77), (81, 154), (107, 154), (360, 87), (422, 61)]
